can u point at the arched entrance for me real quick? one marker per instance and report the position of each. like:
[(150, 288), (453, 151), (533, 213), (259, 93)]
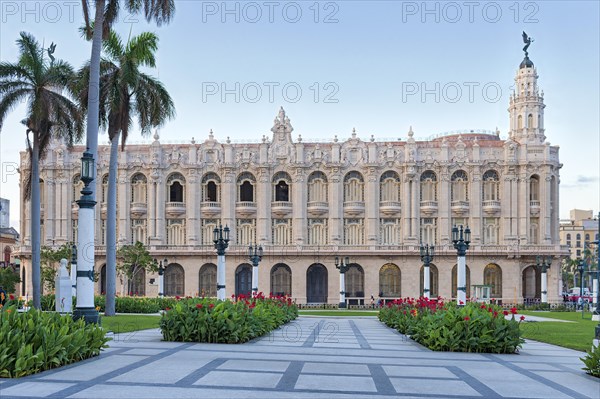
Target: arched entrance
[(531, 283), (243, 280), (316, 284)]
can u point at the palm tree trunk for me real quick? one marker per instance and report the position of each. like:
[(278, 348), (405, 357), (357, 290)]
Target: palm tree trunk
[(111, 229), (93, 113), (35, 221)]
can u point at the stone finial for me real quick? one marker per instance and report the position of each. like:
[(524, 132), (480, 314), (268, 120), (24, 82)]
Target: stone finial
[(335, 139), (264, 138), (228, 141), (211, 136), (410, 132), (353, 132), (372, 138), (497, 132), (299, 138), (156, 136), (193, 140)]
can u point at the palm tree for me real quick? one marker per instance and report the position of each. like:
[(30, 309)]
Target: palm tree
[(49, 114), (126, 93), (161, 11)]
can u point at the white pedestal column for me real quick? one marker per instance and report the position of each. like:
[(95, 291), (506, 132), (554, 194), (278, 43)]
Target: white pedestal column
[(544, 278), (221, 294), (342, 291), (85, 267), (254, 280), (161, 285), (595, 316), (426, 282), (461, 281)]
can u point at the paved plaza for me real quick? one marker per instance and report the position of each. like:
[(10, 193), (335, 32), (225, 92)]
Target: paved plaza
[(310, 358)]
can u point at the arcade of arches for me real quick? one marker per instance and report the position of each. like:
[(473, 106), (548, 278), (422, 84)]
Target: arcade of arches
[(319, 282)]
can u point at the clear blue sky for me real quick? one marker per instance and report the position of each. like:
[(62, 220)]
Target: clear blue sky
[(364, 55)]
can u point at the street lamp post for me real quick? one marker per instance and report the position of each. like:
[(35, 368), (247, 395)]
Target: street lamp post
[(162, 265), (85, 243), (221, 240), (255, 254), (427, 252), (74, 269), (581, 269), (543, 263), (342, 265), (597, 311), (461, 244)]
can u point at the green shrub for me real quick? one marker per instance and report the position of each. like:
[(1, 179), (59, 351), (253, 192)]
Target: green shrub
[(212, 321), (440, 326), (592, 362), (35, 341), (126, 304)]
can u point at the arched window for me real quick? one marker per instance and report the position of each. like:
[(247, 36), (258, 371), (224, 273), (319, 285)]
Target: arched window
[(355, 281), (210, 187), (105, 188), (317, 187), (174, 279), (243, 280), (520, 122), (245, 182), (176, 233), (492, 275), (389, 186), (428, 186), (534, 188), (531, 283), (587, 237), (389, 281), (534, 229), (530, 121), (433, 281), (42, 194), (208, 280), (7, 252), (454, 279), (354, 187), (316, 284), (176, 187), (139, 188), (460, 186), (77, 187), (281, 187), (281, 280), (578, 238), (491, 186), (568, 236)]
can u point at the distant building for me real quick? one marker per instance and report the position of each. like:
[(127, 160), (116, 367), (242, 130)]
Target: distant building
[(579, 231), (4, 213)]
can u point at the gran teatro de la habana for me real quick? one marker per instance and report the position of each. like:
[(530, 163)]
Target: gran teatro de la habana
[(306, 202)]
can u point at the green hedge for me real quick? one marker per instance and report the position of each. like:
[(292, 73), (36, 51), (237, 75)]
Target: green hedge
[(231, 322), (34, 341), (126, 304), (440, 326)]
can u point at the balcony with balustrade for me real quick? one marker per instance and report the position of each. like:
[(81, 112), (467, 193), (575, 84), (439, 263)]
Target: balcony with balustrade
[(390, 208), (459, 208), (354, 208), (317, 208), (429, 208), (534, 208), (245, 209), (175, 209), (210, 209), (281, 209), (138, 210), (491, 207)]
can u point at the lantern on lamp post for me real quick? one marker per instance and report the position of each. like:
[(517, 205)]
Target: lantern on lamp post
[(255, 254), (427, 252), (221, 240), (461, 239)]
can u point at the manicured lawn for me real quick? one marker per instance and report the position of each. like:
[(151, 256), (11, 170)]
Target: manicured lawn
[(577, 335), (127, 323), (338, 313)]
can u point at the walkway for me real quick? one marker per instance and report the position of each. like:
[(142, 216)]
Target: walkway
[(310, 358)]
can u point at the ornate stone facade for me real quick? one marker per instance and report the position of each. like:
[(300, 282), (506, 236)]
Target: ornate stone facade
[(306, 202)]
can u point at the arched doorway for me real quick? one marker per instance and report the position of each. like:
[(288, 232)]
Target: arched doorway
[(531, 283), (316, 284), (243, 280), (389, 281), (467, 281), (492, 275), (208, 280), (174, 280), (281, 280), (355, 281)]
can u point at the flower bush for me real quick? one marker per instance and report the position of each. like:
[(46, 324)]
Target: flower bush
[(232, 321), (592, 362), (440, 326), (35, 341)]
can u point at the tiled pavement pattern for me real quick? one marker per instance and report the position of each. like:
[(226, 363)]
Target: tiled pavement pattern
[(310, 358)]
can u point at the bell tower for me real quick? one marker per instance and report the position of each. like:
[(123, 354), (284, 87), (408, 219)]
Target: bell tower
[(526, 106)]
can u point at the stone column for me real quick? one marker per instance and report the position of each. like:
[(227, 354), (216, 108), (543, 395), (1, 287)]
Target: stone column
[(545, 211), (192, 205), (161, 199), (299, 200), (475, 199), (336, 208), (152, 209), (123, 207), (523, 204), (444, 208), (263, 198), (372, 207)]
